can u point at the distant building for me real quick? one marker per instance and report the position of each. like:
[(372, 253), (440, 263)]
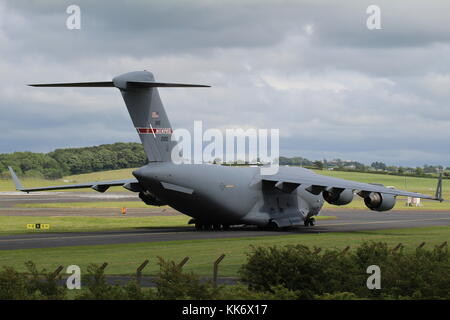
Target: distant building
[(413, 202)]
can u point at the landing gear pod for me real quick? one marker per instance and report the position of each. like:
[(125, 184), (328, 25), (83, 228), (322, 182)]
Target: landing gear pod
[(150, 199)]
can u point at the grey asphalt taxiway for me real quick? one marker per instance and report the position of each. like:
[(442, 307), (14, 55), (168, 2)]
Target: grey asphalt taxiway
[(346, 221)]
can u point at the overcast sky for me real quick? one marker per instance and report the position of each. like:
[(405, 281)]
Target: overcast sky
[(313, 69)]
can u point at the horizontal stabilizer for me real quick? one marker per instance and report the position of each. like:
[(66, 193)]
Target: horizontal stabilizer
[(76, 84), (152, 84), (110, 84)]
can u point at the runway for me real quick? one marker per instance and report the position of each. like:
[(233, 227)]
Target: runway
[(346, 221)]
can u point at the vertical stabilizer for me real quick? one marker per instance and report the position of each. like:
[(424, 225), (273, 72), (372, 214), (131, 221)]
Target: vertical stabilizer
[(139, 90), (147, 113)]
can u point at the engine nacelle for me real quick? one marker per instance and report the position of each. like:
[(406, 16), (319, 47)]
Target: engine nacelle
[(379, 201), (338, 197), (150, 199)]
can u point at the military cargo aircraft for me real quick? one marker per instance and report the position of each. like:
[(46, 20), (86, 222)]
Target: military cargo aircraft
[(217, 196)]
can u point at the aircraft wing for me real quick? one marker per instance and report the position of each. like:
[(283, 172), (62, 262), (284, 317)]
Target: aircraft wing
[(288, 181), (100, 186)]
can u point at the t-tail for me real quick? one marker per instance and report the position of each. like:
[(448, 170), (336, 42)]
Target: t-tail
[(140, 93)]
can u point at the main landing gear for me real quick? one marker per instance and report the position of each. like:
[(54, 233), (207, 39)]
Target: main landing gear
[(310, 222), (209, 226)]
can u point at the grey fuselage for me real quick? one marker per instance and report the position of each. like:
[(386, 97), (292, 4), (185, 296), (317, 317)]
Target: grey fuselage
[(218, 194)]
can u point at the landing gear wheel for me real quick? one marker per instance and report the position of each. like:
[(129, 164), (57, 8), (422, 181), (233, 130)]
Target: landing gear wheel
[(310, 222), (272, 226)]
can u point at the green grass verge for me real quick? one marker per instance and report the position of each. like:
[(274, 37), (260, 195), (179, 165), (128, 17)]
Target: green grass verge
[(18, 224), (96, 204), (125, 258)]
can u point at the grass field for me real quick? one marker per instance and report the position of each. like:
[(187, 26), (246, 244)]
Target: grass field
[(18, 224), (125, 258), (94, 204)]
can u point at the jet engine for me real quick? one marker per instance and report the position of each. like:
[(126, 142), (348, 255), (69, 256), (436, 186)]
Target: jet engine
[(150, 199), (379, 201), (338, 197)]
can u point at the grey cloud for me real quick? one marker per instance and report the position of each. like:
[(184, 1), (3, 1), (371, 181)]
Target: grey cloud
[(341, 91), (142, 28)]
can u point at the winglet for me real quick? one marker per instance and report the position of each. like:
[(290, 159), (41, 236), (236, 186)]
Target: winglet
[(438, 195), (15, 179)]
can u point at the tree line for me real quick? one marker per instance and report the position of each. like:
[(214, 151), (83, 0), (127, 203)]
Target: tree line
[(375, 167), (63, 162)]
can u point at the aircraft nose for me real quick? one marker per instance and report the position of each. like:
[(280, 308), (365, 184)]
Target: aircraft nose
[(150, 173), (139, 173)]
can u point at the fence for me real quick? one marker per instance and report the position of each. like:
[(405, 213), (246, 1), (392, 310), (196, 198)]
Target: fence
[(140, 268)]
